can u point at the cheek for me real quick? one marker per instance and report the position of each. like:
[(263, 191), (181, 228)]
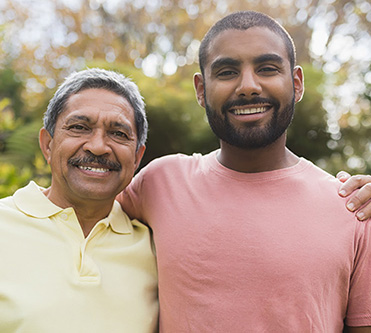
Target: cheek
[(223, 91), (59, 155), (216, 96), (56, 161), (127, 158), (287, 88)]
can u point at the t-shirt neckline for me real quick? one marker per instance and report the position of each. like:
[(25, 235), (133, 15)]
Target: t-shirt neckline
[(219, 168)]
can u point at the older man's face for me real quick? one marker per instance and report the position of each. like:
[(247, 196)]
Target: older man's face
[(93, 153)]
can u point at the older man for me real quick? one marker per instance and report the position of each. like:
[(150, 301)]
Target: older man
[(71, 259)]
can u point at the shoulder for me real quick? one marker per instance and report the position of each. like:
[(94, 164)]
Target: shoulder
[(174, 159), (12, 217), (316, 176), (165, 173), (122, 223), (176, 163), (7, 203)]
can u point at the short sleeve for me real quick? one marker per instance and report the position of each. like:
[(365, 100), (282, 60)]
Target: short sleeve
[(359, 304)]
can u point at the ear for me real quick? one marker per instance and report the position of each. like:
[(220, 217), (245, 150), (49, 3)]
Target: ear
[(139, 155), (199, 86), (45, 140), (298, 77)]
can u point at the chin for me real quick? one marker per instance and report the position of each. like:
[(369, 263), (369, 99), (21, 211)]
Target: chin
[(96, 195)]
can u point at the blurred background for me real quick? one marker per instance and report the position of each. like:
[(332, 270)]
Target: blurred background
[(155, 42)]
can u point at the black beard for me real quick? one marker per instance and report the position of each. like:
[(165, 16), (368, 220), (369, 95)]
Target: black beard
[(251, 137)]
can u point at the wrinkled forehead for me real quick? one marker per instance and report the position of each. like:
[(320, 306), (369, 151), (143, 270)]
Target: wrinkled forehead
[(99, 104)]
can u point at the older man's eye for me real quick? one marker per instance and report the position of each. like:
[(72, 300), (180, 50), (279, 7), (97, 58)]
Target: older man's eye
[(120, 134), (77, 127)]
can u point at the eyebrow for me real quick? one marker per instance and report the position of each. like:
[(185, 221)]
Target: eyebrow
[(235, 63), (75, 118), (224, 62), (268, 57)]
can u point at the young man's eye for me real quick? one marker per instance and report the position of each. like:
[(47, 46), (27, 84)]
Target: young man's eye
[(226, 74), (269, 70)]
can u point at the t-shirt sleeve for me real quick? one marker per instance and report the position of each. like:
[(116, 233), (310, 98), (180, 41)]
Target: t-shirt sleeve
[(131, 198), (359, 304), (139, 199)]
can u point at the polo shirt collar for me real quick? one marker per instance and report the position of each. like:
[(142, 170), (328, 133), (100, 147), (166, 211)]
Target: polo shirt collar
[(31, 201), (119, 221)]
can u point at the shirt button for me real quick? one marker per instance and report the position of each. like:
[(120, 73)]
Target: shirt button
[(64, 216)]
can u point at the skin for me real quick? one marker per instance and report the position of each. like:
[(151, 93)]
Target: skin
[(242, 67), (96, 123)]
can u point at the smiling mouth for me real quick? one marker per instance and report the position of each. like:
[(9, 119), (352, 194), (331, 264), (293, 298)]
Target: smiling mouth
[(253, 110), (98, 170)]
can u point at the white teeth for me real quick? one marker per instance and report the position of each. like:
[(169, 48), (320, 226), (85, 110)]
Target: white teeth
[(99, 170), (250, 110)]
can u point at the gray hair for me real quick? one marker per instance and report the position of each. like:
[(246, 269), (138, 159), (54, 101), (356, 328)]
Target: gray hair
[(96, 78), (244, 20)]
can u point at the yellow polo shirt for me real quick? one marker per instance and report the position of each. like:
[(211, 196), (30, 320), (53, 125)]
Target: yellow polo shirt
[(53, 279)]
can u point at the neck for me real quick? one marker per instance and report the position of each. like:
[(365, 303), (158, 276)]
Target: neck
[(89, 216), (273, 157), (88, 212)]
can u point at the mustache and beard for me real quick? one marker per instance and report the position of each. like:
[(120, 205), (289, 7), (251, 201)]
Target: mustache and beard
[(250, 136)]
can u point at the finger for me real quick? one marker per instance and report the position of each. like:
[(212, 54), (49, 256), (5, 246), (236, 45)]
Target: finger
[(343, 176), (359, 199), (353, 183), (364, 213)]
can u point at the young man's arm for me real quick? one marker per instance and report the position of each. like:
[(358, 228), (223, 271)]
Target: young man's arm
[(361, 197)]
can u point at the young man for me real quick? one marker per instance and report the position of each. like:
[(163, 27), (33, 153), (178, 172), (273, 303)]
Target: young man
[(71, 260), (252, 238)]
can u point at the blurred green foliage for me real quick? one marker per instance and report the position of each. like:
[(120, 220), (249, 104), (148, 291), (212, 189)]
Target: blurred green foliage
[(307, 135), (12, 177)]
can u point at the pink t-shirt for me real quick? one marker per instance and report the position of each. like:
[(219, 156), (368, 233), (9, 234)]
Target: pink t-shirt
[(265, 252)]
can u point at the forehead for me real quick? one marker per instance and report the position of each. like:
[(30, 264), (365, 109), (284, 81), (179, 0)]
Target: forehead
[(245, 44), (98, 104)]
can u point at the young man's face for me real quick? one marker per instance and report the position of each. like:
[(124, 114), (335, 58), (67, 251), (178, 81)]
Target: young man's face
[(93, 152), (248, 89)]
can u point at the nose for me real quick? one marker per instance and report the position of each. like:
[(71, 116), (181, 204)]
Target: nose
[(97, 143), (249, 84)]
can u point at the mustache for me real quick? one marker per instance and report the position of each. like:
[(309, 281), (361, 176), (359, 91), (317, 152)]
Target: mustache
[(101, 161), (245, 102)]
